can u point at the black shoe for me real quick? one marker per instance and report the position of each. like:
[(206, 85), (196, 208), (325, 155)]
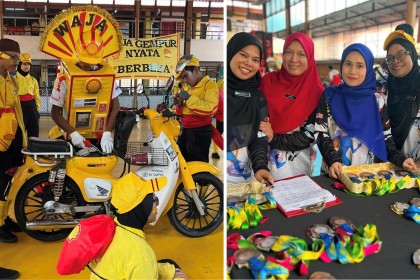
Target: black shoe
[(215, 156), (8, 273), (9, 223), (6, 236)]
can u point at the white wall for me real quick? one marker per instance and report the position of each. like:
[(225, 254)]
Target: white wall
[(204, 50)]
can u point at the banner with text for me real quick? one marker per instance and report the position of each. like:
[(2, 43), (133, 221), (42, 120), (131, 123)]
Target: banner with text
[(150, 58)]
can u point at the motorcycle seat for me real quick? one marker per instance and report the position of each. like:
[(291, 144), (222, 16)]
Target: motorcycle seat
[(45, 145)]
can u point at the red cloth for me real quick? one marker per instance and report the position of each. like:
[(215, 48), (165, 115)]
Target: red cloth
[(335, 80), (217, 137), (194, 121), (286, 113), (26, 97), (219, 113), (88, 241)]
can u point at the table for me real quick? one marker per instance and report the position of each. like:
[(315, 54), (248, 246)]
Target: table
[(400, 236)]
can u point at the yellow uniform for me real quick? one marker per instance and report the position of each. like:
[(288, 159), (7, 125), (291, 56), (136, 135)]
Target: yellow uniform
[(9, 102), (202, 104), (129, 256), (28, 86), (28, 92)]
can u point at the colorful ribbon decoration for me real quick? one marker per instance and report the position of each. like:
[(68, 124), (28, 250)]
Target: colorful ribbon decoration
[(348, 246), (236, 241), (248, 215), (297, 250), (413, 212), (263, 269), (378, 187)]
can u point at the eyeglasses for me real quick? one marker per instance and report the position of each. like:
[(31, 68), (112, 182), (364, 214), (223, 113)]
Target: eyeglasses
[(401, 55), (13, 57), (155, 200)]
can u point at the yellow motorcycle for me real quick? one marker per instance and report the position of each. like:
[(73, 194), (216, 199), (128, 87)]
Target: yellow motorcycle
[(55, 188)]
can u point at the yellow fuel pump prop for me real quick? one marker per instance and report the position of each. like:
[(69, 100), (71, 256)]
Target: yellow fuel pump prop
[(87, 34)]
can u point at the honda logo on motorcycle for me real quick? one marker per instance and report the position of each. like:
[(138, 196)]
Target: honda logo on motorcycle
[(97, 188)]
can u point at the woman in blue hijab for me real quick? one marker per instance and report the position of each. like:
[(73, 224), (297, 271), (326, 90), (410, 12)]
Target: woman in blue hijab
[(349, 127)]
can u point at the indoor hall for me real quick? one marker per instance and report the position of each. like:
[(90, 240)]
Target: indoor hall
[(197, 27), (199, 258)]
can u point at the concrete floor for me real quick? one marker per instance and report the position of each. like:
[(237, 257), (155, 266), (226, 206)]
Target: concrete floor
[(200, 258)]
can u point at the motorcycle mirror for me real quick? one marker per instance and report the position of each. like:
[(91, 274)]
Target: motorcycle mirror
[(140, 88), (169, 84)]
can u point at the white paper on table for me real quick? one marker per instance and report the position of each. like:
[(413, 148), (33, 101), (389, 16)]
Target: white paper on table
[(296, 193)]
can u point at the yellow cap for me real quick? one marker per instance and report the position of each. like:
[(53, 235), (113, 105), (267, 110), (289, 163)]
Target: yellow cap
[(193, 62), (90, 48), (25, 57), (398, 34), (186, 60), (130, 190)]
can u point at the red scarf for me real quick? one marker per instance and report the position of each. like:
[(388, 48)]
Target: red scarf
[(286, 114)]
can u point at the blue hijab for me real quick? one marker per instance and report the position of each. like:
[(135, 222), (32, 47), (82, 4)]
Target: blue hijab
[(355, 109)]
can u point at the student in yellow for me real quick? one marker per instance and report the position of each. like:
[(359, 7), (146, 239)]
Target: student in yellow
[(28, 91), (129, 256), (199, 105), (12, 129)]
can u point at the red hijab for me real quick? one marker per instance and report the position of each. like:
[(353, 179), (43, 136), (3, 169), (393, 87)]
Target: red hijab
[(286, 113)]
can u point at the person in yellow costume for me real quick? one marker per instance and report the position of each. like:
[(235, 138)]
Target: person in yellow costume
[(88, 61), (12, 128), (129, 256), (28, 90), (199, 105)]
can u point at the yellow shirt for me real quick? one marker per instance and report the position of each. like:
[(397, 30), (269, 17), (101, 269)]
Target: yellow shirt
[(129, 256), (28, 85), (9, 99), (204, 98)]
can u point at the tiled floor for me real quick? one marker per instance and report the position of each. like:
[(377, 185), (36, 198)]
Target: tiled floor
[(200, 258)]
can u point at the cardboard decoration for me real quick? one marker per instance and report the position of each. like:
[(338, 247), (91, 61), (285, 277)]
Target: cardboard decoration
[(65, 32)]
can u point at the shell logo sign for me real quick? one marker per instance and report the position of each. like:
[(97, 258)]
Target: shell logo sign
[(74, 234), (87, 28)]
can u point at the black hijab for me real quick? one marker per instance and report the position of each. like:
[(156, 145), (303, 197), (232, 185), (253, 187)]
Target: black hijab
[(19, 69), (138, 216), (403, 94), (243, 113)]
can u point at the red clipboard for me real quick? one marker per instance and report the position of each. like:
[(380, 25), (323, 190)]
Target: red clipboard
[(307, 209)]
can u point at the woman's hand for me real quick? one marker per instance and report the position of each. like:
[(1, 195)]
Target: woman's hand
[(409, 164), (335, 170), (263, 176), (265, 127)]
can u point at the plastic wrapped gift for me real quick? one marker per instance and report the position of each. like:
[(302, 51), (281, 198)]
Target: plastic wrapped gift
[(377, 178)]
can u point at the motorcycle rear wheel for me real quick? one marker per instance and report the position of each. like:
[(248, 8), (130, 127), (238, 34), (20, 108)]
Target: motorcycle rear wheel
[(30, 201), (184, 215)]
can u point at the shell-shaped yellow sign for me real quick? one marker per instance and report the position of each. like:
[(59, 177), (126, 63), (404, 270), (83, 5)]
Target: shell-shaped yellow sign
[(74, 234), (87, 28)]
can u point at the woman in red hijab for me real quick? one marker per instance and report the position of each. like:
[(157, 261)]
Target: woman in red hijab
[(292, 95)]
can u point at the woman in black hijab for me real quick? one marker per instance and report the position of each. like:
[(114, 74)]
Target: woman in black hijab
[(246, 108), (403, 94)]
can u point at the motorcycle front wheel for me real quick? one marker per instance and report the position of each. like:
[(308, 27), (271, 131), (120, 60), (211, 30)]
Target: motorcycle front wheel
[(30, 202), (184, 215)]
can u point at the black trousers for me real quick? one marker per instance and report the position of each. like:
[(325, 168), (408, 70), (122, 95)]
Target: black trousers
[(194, 143), (30, 117), (219, 126), (10, 158)]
